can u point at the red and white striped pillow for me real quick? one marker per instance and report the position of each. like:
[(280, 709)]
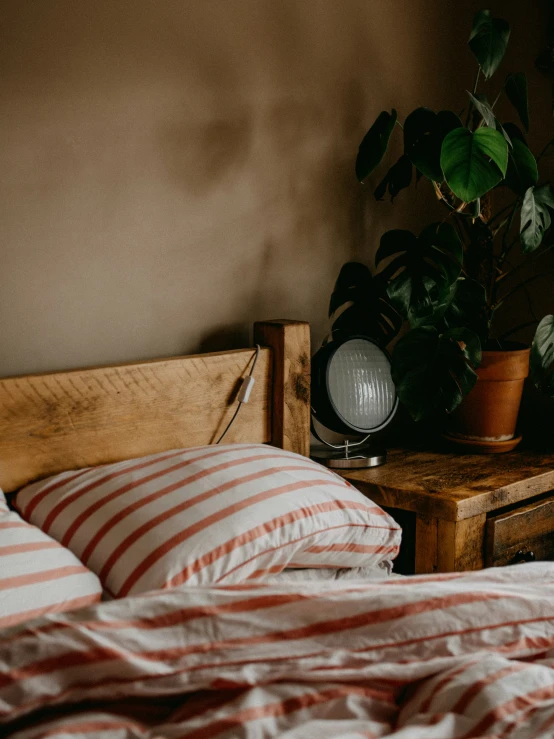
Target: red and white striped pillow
[(37, 575), (208, 515)]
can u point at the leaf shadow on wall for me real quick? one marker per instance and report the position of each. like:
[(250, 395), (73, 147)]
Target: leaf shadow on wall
[(199, 155)]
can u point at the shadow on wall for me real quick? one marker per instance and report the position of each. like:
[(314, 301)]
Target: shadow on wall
[(170, 169), (230, 336), (203, 155), (238, 335)]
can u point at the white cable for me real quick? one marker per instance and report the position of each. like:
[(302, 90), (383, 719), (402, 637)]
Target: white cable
[(245, 389), (243, 395)]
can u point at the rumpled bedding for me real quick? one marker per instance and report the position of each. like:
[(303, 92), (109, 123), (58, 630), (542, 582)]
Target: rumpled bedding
[(371, 572), (453, 655)]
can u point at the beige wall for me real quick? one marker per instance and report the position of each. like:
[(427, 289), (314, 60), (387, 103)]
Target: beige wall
[(172, 170)]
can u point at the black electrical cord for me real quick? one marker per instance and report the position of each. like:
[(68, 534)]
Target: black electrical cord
[(241, 402)]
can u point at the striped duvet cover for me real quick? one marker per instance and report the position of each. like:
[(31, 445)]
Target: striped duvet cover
[(460, 655)]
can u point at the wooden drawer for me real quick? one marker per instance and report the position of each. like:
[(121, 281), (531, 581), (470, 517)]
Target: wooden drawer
[(523, 534)]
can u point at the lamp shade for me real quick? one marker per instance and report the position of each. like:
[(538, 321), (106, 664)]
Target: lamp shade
[(352, 386)]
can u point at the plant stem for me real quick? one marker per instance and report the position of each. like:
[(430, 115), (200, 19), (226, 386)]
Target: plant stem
[(499, 228), (536, 319), (443, 199), (470, 108), (505, 247), (533, 259), (476, 80), (509, 248), (518, 328), (497, 98), (501, 213), (518, 287), (545, 149)]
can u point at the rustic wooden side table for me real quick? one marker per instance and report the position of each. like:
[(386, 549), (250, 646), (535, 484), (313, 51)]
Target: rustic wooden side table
[(465, 512)]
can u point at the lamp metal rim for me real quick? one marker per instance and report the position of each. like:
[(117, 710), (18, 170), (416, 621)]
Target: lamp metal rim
[(334, 408)]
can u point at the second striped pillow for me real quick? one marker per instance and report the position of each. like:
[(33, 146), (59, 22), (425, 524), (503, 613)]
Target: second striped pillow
[(208, 515), (37, 575)]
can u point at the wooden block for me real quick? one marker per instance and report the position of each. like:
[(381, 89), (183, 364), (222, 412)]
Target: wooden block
[(461, 544), (290, 342), (426, 545), (449, 546)]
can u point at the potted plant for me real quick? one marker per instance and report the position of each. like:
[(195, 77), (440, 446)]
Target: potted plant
[(448, 283)]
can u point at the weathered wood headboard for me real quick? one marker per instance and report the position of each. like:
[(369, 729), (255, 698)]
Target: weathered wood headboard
[(69, 420)]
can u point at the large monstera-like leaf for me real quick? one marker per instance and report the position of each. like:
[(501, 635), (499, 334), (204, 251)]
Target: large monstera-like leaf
[(474, 163), (483, 107), (421, 269), (513, 132), (488, 41), (522, 170), (374, 144), (397, 178), (542, 356), (516, 90), (535, 216), (433, 371), (464, 305), (424, 132), (366, 308)]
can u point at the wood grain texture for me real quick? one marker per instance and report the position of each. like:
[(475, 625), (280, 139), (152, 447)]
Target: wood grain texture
[(526, 529), (449, 546), (69, 420), (461, 544), (454, 486), (290, 342), (426, 545)]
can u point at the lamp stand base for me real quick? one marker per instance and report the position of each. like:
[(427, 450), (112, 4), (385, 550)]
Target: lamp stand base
[(339, 459)]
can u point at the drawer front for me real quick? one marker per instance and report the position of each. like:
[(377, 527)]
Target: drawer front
[(521, 535)]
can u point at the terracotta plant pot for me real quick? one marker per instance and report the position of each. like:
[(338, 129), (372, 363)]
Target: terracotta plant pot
[(486, 419)]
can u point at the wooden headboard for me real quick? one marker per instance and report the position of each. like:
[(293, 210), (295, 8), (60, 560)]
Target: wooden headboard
[(69, 420)]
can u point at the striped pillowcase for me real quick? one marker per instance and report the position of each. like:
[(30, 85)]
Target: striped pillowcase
[(37, 575), (215, 514)]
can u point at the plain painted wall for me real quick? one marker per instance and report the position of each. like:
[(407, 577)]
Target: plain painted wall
[(172, 170)]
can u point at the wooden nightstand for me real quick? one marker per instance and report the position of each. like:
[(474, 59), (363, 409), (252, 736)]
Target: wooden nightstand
[(465, 512)]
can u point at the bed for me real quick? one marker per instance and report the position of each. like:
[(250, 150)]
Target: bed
[(451, 655)]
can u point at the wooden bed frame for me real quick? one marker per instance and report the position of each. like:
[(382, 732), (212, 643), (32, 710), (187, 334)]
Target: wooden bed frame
[(69, 420)]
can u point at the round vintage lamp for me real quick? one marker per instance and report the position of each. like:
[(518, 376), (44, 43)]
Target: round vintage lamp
[(352, 393)]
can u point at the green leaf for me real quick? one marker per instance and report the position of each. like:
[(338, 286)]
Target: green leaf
[(397, 178), (362, 306), (500, 127), (464, 305), (535, 216), (514, 133), (433, 371), (542, 356), (421, 270), (522, 169), (469, 344), (482, 104), (374, 144), (488, 41), (545, 194), (424, 132), (474, 163), (516, 90), (443, 245)]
